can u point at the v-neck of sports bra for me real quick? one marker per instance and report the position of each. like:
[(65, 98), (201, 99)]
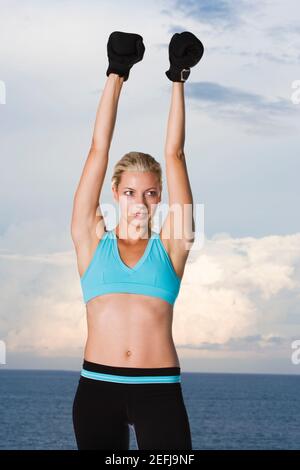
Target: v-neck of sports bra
[(139, 262)]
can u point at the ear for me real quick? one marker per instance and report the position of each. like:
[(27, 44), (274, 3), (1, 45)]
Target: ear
[(115, 193)]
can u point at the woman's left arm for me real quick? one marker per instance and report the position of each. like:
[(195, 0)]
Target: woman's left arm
[(180, 220)]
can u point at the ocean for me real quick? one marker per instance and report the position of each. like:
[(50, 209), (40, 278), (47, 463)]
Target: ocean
[(226, 411)]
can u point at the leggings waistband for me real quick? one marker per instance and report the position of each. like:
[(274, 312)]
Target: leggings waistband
[(93, 370)]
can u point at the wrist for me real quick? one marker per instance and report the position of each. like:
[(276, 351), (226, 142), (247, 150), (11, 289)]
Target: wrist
[(114, 77)]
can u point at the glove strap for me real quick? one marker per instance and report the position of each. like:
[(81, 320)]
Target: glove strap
[(178, 75), (184, 74)]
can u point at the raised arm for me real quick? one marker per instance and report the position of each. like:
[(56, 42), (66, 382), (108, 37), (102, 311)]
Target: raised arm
[(179, 223), (86, 209), (123, 51), (185, 51)]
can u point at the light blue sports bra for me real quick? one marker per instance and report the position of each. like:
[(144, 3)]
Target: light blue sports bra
[(152, 275)]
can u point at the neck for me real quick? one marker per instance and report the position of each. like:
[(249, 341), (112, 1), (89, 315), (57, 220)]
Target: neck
[(133, 233)]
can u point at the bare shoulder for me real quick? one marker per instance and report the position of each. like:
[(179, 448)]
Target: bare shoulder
[(86, 246)]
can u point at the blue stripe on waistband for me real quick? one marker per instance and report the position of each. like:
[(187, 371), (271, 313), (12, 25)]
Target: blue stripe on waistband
[(127, 379)]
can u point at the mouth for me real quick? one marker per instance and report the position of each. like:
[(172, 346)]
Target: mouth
[(140, 214)]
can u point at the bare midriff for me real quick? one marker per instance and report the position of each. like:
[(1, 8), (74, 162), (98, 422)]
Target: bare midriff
[(130, 330)]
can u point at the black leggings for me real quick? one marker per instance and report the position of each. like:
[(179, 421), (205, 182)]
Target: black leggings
[(108, 399)]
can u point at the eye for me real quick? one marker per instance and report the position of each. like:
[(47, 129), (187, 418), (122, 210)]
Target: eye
[(151, 193)]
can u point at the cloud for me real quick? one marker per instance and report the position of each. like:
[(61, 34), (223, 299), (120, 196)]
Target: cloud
[(237, 288), (288, 57), (282, 56), (255, 343), (284, 32), (224, 12), (255, 112)]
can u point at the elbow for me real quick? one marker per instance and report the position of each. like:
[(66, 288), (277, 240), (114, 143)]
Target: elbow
[(74, 231), (175, 153)]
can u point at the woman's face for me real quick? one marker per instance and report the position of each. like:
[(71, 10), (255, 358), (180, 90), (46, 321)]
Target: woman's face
[(138, 195)]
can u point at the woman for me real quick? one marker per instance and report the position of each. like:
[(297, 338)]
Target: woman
[(130, 276)]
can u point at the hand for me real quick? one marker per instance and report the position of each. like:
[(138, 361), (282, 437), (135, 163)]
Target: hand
[(185, 51), (123, 51)]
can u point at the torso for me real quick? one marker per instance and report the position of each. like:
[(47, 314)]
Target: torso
[(130, 330)]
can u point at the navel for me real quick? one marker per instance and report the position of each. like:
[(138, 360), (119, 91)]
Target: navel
[(128, 353)]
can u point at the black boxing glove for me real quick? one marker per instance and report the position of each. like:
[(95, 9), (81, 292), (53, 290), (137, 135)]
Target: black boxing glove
[(185, 51), (123, 51)]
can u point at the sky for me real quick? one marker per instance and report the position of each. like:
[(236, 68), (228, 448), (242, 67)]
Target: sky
[(238, 307)]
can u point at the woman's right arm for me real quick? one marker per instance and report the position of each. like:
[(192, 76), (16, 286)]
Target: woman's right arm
[(86, 206)]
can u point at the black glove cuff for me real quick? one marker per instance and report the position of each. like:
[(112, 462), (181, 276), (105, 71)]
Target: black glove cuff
[(114, 68), (178, 75)]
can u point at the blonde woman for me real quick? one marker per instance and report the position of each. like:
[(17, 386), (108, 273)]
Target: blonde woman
[(131, 276)]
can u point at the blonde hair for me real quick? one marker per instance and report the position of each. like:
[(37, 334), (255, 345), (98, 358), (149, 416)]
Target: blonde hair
[(136, 161)]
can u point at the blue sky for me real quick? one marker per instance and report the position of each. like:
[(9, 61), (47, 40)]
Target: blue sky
[(238, 308)]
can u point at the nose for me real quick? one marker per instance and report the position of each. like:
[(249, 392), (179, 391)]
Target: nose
[(140, 202), (141, 208)]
